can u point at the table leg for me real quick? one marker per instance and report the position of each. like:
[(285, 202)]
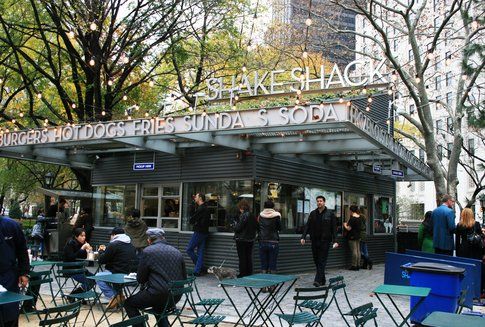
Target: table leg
[(261, 309), (399, 311), (385, 308), (241, 317)]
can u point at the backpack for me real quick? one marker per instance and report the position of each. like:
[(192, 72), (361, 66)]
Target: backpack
[(475, 240)]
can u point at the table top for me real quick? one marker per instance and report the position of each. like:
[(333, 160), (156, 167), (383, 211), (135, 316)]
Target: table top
[(39, 263), (402, 290), (273, 277), (12, 297), (113, 279), (446, 319), (258, 280)]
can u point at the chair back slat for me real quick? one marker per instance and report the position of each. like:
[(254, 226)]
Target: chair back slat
[(71, 264), (338, 286), (70, 311), (181, 291), (362, 320), (310, 297), (140, 320), (335, 280), (311, 289)]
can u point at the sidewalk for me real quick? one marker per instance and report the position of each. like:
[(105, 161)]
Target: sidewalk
[(360, 285)]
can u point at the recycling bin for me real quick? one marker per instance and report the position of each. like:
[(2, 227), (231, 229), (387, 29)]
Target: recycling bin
[(445, 283)]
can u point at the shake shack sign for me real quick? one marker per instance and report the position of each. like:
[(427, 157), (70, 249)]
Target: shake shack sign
[(295, 115)]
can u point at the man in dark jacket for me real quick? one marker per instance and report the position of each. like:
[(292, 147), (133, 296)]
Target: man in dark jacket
[(322, 227), (200, 219), (160, 264), (118, 257), (14, 266)]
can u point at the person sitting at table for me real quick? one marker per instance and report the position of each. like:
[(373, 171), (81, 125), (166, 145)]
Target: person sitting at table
[(77, 248), (160, 264), (118, 257)]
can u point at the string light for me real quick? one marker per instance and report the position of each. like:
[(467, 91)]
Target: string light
[(430, 55), (15, 129), (92, 62), (349, 103), (73, 106), (341, 100), (71, 34), (39, 95), (367, 109), (464, 77), (46, 120), (298, 92), (308, 22), (129, 117), (137, 107), (147, 114), (244, 69), (21, 115), (234, 107), (448, 60), (13, 121), (475, 24), (151, 83), (103, 113), (125, 97), (364, 90), (418, 80), (93, 26), (216, 115), (191, 109), (204, 113), (304, 55), (236, 98), (110, 82), (126, 60), (369, 99), (394, 76), (297, 101)]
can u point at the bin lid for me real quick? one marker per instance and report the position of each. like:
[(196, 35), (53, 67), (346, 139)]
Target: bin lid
[(439, 268)]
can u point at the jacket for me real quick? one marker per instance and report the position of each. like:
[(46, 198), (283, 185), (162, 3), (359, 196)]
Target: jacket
[(425, 239), (321, 229), (246, 227), (200, 219), (160, 264), (269, 225), (73, 251), (463, 247), (120, 255), (443, 228), (355, 225), (136, 229)]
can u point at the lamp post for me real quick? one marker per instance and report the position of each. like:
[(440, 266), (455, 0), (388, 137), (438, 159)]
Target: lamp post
[(49, 180)]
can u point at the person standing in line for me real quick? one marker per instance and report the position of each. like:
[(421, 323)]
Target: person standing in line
[(14, 267), (85, 221), (136, 229), (159, 265), (353, 235), (322, 227), (200, 220), (425, 234), (244, 234), (365, 260), (269, 226), (465, 229), (443, 219)]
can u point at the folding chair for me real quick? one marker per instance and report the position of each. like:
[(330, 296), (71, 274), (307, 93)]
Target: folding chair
[(210, 305), (462, 303), (366, 316), (307, 298), (337, 283), (60, 315), (132, 322), (36, 280)]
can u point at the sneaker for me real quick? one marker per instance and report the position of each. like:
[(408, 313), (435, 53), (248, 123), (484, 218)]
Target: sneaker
[(113, 303)]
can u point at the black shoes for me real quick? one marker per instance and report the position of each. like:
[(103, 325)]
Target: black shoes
[(354, 268), (316, 284)]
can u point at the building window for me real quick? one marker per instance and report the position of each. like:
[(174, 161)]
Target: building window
[(412, 109), (440, 152), (421, 154), (449, 125), (395, 45), (222, 198), (382, 219), (438, 100), (436, 23), (449, 98), (112, 204), (448, 79), (160, 205), (449, 148), (471, 146), (438, 82), (410, 55), (439, 126)]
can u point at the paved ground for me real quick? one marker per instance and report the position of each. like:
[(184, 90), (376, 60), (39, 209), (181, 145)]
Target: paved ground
[(359, 286)]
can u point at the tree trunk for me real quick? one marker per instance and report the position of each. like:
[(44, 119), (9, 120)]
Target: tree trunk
[(84, 178)]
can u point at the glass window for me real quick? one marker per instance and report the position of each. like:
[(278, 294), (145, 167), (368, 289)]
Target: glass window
[(359, 200), (221, 198), (113, 203), (438, 82), (448, 79), (471, 146), (449, 125), (160, 206), (382, 219), (421, 154), (449, 98), (412, 108)]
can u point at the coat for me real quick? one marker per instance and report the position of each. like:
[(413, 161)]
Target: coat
[(269, 225), (136, 229), (119, 256), (425, 239), (463, 247), (246, 227), (443, 228)]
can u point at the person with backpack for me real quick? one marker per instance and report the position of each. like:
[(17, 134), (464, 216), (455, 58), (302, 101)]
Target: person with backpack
[(268, 235), (469, 236), (244, 234), (425, 234)]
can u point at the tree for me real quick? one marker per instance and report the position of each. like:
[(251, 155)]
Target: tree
[(392, 23), (15, 212)]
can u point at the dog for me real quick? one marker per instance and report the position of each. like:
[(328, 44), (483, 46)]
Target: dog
[(222, 273)]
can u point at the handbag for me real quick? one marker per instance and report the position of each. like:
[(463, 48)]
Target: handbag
[(475, 240)]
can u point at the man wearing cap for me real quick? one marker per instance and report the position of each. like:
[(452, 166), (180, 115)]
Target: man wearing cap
[(160, 264), (119, 257)]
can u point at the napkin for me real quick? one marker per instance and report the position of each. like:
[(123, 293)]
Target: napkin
[(2, 289)]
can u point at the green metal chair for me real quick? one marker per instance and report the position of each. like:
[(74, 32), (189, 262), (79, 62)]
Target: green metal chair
[(366, 316), (210, 305), (338, 285), (462, 302), (61, 315), (140, 320), (307, 298), (36, 280)]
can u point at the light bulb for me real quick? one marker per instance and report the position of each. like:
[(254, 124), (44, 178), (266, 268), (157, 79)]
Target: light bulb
[(129, 117), (369, 99), (137, 107), (103, 113), (73, 106), (147, 114), (93, 26), (308, 22), (418, 80), (364, 91), (236, 98), (394, 77), (68, 124), (233, 108), (110, 82), (125, 97), (204, 113), (21, 114), (151, 83), (448, 61), (216, 115), (464, 77), (389, 92), (297, 101), (367, 109), (304, 55), (475, 24), (46, 120), (92, 62), (244, 69), (126, 60), (13, 121), (191, 109), (348, 103), (430, 55), (298, 92), (388, 122), (39, 95), (71, 34), (45, 124), (341, 100), (15, 129)]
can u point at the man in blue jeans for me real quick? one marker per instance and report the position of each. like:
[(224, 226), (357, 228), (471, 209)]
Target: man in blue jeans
[(200, 219)]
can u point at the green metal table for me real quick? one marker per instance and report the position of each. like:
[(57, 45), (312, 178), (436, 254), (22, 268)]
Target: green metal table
[(260, 308), (399, 290), (446, 319), (11, 297), (118, 282)]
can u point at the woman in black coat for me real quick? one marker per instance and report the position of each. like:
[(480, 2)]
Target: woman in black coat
[(244, 234), (77, 248), (464, 229)]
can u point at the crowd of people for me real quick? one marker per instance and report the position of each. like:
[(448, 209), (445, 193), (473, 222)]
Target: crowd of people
[(439, 234)]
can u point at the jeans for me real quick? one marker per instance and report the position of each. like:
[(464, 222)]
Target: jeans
[(197, 241), (107, 290), (245, 255), (320, 250), (268, 254), (144, 299), (364, 252), (355, 250)]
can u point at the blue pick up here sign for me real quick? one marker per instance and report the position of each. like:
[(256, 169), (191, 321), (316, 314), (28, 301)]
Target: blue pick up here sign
[(144, 166), (397, 173)]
